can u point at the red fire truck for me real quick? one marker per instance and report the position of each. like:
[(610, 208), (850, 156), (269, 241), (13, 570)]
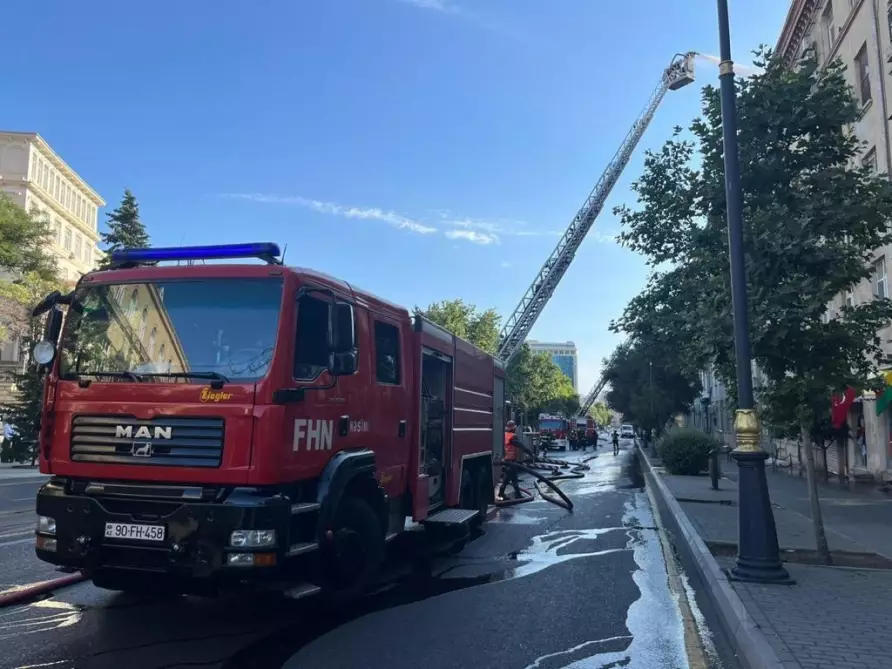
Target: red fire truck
[(554, 430), (213, 423)]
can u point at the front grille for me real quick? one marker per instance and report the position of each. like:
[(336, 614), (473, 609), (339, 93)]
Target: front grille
[(163, 441)]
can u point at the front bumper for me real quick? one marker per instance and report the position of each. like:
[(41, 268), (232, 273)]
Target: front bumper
[(196, 538)]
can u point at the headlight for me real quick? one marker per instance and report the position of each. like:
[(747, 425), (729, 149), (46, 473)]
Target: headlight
[(252, 538), (46, 525)]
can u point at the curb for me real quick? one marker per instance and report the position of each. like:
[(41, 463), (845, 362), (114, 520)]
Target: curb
[(19, 596), (753, 649)]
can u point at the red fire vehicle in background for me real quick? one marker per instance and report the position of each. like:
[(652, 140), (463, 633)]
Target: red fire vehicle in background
[(554, 431), (214, 423)]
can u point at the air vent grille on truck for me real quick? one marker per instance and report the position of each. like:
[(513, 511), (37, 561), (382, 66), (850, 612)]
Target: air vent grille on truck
[(181, 442)]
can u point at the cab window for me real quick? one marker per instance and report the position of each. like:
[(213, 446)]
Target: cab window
[(387, 353), (311, 354)]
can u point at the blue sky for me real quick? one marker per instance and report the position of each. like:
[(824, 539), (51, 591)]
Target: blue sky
[(421, 149)]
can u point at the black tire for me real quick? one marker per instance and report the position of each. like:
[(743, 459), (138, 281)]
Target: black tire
[(352, 561)]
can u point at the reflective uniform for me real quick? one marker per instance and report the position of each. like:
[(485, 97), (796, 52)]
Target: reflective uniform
[(509, 473)]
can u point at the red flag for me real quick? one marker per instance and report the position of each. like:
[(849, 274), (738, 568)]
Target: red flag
[(840, 405)]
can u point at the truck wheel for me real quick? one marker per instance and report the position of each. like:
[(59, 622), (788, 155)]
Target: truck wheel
[(474, 495), (352, 559), (484, 491)]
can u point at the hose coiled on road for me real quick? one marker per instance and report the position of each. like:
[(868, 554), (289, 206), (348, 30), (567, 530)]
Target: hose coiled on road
[(546, 484)]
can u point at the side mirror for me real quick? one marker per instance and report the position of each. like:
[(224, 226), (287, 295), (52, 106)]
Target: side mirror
[(343, 329), (343, 364)]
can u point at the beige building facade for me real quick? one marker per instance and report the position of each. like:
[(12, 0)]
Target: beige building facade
[(36, 178), (859, 33)]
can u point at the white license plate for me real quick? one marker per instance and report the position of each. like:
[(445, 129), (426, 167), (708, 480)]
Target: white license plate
[(135, 532)]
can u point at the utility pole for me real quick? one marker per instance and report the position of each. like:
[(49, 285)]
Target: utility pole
[(758, 555)]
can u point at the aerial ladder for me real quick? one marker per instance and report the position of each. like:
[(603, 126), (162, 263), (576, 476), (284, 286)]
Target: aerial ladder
[(680, 73), (592, 396)]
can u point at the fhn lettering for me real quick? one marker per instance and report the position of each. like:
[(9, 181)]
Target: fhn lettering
[(315, 434)]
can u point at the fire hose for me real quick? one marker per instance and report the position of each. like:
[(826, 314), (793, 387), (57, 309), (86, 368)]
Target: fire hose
[(546, 484)]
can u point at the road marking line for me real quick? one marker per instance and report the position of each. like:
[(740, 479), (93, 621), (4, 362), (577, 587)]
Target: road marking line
[(17, 533), (22, 499), (26, 480)]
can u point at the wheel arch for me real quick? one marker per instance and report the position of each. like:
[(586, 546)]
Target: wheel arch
[(350, 473)]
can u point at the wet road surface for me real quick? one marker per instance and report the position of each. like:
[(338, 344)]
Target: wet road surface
[(18, 564), (542, 588)]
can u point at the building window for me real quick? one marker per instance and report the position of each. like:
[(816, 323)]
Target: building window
[(39, 171), (78, 243), (143, 322), (131, 306), (387, 353), (827, 25), (88, 254), (880, 280), (153, 335), (862, 69), (57, 230), (161, 353), (67, 238), (870, 160), (850, 298)]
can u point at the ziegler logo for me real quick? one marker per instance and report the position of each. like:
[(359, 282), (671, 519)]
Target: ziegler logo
[(208, 395), (315, 434), (126, 432)]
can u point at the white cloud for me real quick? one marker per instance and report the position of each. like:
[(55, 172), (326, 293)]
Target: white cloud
[(436, 5), (335, 209), (473, 236)]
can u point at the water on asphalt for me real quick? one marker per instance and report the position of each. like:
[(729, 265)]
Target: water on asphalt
[(541, 588)]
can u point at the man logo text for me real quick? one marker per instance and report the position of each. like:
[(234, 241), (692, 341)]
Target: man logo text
[(126, 432), (313, 434)]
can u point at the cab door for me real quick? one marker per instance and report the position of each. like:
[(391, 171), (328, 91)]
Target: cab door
[(391, 379)]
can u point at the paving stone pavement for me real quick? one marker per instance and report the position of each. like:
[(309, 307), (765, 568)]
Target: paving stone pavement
[(834, 617)]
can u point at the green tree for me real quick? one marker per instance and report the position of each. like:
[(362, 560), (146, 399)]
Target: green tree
[(600, 412), (645, 387), (125, 229), (813, 218), (16, 299), (534, 383), (481, 328), (23, 240)]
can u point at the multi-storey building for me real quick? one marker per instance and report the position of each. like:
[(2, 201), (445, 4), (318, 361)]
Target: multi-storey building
[(563, 354), (37, 179), (859, 33)]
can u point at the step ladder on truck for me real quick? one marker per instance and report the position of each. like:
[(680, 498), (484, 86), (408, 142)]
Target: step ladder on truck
[(212, 425)]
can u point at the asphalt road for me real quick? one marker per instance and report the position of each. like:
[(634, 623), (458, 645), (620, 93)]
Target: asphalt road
[(18, 565), (541, 588)]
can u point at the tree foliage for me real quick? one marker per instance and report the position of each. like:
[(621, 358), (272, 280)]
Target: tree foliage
[(24, 412), (600, 412), (646, 385), (813, 218), (24, 238), (125, 229), (534, 382)]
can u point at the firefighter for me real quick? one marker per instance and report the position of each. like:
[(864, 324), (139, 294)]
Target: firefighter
[(512, 454)]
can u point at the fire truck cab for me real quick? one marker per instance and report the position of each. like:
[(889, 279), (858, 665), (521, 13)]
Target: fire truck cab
[(210, 424)]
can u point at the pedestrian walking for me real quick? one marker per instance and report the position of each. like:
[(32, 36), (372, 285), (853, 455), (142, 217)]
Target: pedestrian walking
[(615, 438), (513, 447)]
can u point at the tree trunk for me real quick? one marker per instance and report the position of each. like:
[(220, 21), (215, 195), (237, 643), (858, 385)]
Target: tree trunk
[(814, 502)]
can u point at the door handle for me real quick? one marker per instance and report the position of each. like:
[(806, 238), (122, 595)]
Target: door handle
[(402, 429), (344, 426)]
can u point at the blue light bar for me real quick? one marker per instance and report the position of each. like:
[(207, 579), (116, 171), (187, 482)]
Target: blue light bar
[(265, 250)]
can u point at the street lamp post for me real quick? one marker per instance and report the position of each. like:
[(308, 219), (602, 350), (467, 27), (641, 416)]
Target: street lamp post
[(758, 555)]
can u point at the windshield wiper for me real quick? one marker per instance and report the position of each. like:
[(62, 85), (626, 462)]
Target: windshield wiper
[(130, 376), (215, 376)]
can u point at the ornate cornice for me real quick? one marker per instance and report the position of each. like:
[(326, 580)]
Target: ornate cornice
[(799, 18)]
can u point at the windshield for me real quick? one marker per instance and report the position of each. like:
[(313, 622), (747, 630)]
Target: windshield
[(168, 329), (554, 425)]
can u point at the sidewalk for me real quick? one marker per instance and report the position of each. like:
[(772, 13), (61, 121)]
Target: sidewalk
[(834, 617)]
